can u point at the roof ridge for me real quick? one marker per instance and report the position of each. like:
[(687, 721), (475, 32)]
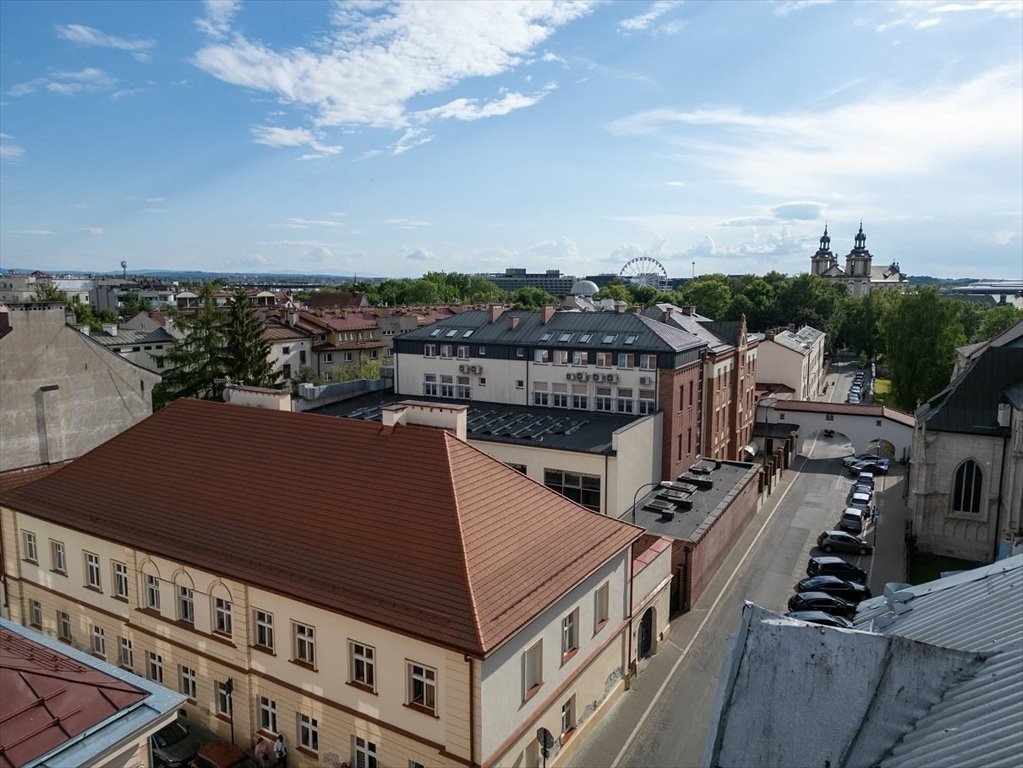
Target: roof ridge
[(450, 442)]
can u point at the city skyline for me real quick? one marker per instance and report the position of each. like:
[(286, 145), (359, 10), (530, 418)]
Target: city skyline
[(391, 139)]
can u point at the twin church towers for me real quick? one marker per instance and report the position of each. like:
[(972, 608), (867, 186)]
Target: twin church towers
[(859, 274)]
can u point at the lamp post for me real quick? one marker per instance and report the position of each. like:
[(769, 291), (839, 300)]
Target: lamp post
[(646, 487)]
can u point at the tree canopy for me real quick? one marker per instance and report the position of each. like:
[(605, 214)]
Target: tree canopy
[(248, 353), (198, 363)]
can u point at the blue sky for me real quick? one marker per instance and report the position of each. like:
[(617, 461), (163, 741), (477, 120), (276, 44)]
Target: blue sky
[(398, 138)]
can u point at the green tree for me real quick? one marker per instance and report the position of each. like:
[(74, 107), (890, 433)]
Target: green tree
[(921, 334), (134, 303), (83, 314), (530, 298), (247, 352), (45, 290), (754, 297), (710, 295), (198, 362), (996, 320), (861, 328), (643, 294), (479, 290), (616, 290)]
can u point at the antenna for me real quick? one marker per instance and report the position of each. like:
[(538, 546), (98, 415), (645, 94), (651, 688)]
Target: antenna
[(694, 269), (124, 268)]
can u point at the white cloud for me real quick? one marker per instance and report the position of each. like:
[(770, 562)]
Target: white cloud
[(418, 254), (155, 200), (408, 223), (674, 183), (998, 237), (551, 57), (379, 57), (9, 151), (749, 221), (76, 33), (802, 211), (792, 6), (93, 231), (32, 232), (645, 21), (88, 80), (295, 222), (273, 136), (217, 21), (923, 15)]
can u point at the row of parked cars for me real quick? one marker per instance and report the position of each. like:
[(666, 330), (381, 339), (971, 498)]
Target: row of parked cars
[(833, 586), (175, 746), (856, 389)]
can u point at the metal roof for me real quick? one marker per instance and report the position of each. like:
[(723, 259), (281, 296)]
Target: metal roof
[(970, 403)]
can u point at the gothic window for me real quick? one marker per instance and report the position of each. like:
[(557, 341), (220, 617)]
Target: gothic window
[(966, 492)]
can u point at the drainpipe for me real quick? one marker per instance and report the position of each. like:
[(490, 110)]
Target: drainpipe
[(628, 651), (1001, 496), (472, 715)]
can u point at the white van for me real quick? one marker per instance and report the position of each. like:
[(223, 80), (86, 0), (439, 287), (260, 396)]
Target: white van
[(853, 520)]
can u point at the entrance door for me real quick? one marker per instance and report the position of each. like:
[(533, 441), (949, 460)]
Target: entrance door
[(646, 633)]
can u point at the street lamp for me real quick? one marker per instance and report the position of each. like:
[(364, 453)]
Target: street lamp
[(646, 487)]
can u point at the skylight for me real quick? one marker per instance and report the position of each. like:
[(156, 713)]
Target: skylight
[(546, 337), (452, 332), (630, 339), (565, 337), (435, 332), (467, 334), (609, 339), (585, 338)]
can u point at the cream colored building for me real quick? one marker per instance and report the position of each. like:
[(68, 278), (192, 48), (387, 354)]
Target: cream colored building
[(795, 359), (409, 601)]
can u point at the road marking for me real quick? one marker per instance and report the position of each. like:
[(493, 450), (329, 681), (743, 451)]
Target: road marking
[(710, 612)]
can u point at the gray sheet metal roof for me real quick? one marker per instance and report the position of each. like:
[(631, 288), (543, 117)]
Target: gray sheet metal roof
[(970, 403), (129, 336)]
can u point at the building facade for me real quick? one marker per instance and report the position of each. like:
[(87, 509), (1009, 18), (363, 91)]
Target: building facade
[(860, 275), (794, 359)]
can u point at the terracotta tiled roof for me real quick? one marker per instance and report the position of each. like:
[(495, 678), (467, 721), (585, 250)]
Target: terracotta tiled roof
[(851, 409), (407, 527), (49, 699), (13, 478)]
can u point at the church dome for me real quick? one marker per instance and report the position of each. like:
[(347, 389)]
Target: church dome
[(584, 288)]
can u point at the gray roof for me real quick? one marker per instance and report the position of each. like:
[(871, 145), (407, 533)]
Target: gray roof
[(651, 336), (932, 675), (720, 335), (131, 337), (970, 403)]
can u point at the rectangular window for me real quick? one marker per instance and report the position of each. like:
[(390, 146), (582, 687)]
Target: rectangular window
[(328, 358), (221, 616), (625, 400), (365, 753), (604, 359), (267, 715), (647, 401), (363, 666), (582, 489), (463, 352), (447, 386), (152, 592), (559, 395), (600, 607), (187, 682), (462, 388), (520, 352), (31, 551), (127, 655), (579, 399), (120, 580), (532, 670), (309, 733), (64, 625), (99, 641), (518, 467), (225, 699), (35, 614), (481, 351), (305, 644), (626, 360), (186, 605), (561, 357), (264, 630), (422, 687), (568, 717), (520, 384), (829, 417), (570, 634), (648, 362), (445, 350), (301, 357), (579, 357), (604, 400), (429, 350), (430, 384), (154, 667), (57, 560), (540, 396), (348, 357), (541, 355)]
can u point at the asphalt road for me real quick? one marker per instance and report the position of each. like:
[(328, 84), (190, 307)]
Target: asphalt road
[(676, 693)]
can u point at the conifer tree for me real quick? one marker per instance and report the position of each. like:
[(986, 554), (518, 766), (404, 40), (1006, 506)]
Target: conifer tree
[(248, 353), (198, 362)]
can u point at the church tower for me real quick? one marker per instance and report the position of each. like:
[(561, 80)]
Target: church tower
[(824, 259), (857, 263)]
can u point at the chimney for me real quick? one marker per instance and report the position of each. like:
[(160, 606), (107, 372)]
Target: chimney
[(495, 312), (453, 418), (513, 322), (792, 328), (689, 311), (292, 318), (547, 313), (1004, 414), (110, 328)]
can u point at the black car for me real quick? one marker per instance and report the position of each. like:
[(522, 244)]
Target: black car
[(828, 565), (832, 585), (840, 541), (819, 617), (174, 746), (822, 601)]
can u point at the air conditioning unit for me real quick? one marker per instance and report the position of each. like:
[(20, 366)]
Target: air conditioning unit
[(462, 368), (612, 377), (645, 380), (569, 376), (579, 377), (474, 369)]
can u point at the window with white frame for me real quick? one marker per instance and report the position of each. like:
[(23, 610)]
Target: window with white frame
[(481, 351), (63, 625), (532, 669), (625, 400), (429, 350), (626, 360), (99, 641), (559, 395), (422, 687), (365, 753), (186, 604), (221, 616), (570, 634), (605, 359), (120, 580), (430, 384), (600, 607), (264, 630), (308, 733), (348, 357), (560, 357), (447, 386), (35, 614), (604, 400), (58, 562), (463, 389), (92, 577), (647, 401), (541, 355), (267, 715), (648, 362), (187, 682), (363, 665), (29, 548), (152, 592), (580, 400), (225, 699), (579, 357), (328, 358), (304, 650), (463, 352), (127, 653), (445, 350), (154, 667), (568, 717), (540, 396), (520, 352)]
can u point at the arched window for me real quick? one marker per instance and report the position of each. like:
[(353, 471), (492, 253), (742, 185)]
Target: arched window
[(966, 493)]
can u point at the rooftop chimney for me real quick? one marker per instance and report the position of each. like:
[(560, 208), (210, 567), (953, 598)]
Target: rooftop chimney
[(620, 308), (547, 313), (689, 311), (453, 418), (110, 328), (513, 322), (495, 312)]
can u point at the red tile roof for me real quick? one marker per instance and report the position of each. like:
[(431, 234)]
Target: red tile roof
[(406, 527), (851, 409), (48, 699), (13, 478)]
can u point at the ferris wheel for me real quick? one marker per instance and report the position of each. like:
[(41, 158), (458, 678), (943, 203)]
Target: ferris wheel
[(645, 271)]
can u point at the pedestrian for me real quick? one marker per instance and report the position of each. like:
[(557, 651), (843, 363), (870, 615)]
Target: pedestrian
[(262, 753), (280, 752)]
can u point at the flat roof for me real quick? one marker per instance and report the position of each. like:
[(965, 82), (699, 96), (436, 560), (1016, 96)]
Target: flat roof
[(726, 479), (555, 428)]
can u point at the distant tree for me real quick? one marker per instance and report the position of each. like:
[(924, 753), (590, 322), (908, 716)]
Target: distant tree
[(394, 293), (861, 328), (108, 315), (996, 320), (754, 297), (198, 362), (482, 291), (83, 314), (616, 290), (247, 352), (45, 290), (425, 291), (135, 303), (530, 298), (922, 332), (642, 294), (710, 295), (972, 315), (811, 300)]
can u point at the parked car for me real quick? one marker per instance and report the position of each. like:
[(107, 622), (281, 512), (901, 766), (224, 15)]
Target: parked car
[(822, 601), (174, 746), (853, 520), (222, 754), (819, 617), (853, 399), (840, 541), (874, 466), (860, 501), (857, 458), (832, 585), (861, 488), (829, 565)]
